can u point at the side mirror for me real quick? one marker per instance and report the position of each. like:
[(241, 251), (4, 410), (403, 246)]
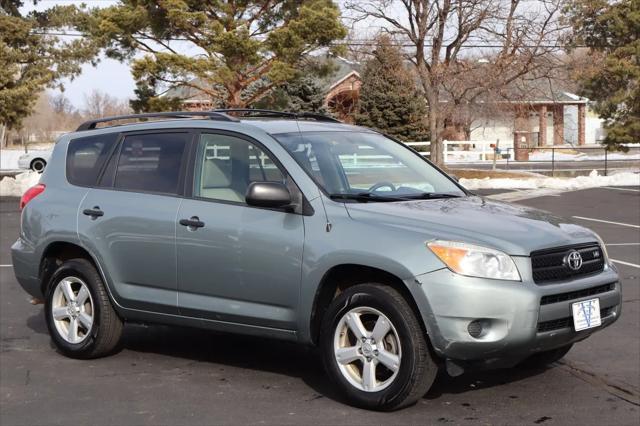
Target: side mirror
[(268, 194)]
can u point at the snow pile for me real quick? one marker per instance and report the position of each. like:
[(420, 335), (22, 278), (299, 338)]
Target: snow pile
[(580, 182), (15, 187)]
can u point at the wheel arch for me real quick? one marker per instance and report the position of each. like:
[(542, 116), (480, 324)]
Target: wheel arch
[(340, 277), (58, 252)]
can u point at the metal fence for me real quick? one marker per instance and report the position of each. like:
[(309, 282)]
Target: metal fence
[(558, 157), (547, 159)]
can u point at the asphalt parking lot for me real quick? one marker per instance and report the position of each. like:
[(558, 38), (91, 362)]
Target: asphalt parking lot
[(179, 376)]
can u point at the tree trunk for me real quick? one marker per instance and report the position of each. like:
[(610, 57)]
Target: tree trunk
[(234, 100), (437, 153)]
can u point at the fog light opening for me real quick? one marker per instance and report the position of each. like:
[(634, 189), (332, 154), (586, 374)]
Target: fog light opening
[(476, 328)]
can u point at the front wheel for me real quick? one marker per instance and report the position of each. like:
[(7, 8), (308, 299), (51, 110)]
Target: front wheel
[(79, 314), (375, 349)]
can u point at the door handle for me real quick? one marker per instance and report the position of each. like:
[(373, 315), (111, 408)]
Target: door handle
[(193, 222), (95, 212)]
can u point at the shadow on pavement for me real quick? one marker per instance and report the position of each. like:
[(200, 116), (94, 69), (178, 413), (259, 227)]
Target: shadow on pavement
[(278, 357), (473, 381)]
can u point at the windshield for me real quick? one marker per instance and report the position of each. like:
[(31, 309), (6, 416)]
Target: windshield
[(366, 166)]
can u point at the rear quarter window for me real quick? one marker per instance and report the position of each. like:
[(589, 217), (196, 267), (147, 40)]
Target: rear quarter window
[(86, 156), (151, 162)]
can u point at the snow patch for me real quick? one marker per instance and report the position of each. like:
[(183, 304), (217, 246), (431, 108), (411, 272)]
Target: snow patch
[(15, 187), (581, 182), (562, 156)]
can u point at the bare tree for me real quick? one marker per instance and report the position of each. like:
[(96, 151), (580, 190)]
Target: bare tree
[(99, 104), (444, 40), (61, 104), (52, 115)]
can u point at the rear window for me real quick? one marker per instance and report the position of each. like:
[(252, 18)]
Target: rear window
[(86, 156), (151, 162)]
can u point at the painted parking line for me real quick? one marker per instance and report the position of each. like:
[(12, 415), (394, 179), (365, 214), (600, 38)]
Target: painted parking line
[(633, 265), (607, 221), (623, 244), (622, 189), (6, 266)]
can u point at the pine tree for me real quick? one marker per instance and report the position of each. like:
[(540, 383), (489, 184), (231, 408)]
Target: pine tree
[(247, 48), (389, 101), (31, 60), (303, 94), (611, 31), (147, 99)]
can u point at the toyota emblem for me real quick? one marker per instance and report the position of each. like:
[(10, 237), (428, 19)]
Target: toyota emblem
[(574, 260)]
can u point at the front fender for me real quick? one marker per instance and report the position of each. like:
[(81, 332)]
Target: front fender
[(401, 253)]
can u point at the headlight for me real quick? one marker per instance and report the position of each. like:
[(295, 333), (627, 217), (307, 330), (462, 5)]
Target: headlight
[(603, 247), (475, 261)]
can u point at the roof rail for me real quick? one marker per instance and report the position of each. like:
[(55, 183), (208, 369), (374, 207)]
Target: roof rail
[(212, 115), (268, 112)]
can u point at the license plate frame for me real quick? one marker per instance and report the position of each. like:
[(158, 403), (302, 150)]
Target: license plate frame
[(586, 314)]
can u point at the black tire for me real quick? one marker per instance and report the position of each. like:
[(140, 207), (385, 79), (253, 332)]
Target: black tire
[(417, 370), (38, 165), (104, 335), (542, 359)]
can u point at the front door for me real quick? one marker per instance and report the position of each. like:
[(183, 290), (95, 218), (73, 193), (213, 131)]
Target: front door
[(129, 220), (237, 263)]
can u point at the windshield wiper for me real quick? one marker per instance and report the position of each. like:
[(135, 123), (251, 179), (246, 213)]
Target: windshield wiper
[(364, 197), (370, 196), (430, 196)]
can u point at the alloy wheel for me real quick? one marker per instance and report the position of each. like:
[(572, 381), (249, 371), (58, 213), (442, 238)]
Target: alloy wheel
[(72, 310), (367, 349)]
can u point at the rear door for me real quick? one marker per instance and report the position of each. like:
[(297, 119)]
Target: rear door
[(241, 264), (129, 219)]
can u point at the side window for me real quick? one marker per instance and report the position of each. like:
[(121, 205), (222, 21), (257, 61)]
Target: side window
[(151, 162), (226, 165), (86, 156)]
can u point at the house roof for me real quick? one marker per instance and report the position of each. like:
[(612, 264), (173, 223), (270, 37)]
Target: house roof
[(344, 69), (187, 93), (546, 90)]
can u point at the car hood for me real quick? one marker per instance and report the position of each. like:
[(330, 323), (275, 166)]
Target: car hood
[(514, 229)]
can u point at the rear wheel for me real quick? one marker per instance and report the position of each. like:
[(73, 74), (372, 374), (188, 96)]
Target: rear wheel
[(374, 348), (38, 165), (79, 314), (542, 359)]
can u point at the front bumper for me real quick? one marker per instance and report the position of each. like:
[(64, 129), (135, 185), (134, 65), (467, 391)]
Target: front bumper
[(517, 321)]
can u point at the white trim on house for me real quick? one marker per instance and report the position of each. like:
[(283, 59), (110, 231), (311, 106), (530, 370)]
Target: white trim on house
[(352, 73)]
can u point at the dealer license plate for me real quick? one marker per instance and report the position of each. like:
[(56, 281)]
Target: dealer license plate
[(586, 314)]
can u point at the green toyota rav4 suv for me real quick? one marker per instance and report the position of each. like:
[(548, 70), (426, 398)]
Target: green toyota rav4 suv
[(298, 227)]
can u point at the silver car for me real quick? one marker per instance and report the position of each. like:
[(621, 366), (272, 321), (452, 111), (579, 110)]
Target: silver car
[(302, 228), (35, 160)]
